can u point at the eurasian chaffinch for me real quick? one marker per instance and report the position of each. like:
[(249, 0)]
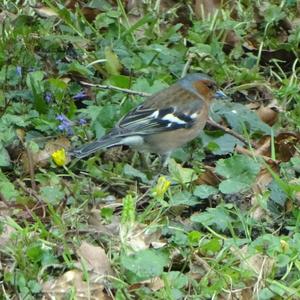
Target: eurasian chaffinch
[(164, 121)]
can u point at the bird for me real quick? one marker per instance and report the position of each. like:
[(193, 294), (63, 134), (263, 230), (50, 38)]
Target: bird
[(164, 122)]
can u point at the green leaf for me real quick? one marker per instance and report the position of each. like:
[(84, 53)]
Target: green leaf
[(132, 172), (34, 252), (52, 194), (100, 4), (4, 157), (277, 194), (219, 145), (121, 81), (9, 75), (214, 216), (204, 191), (180, 174), (240, 172), (7, 188), (75, 66), (144, 264), (34, 82), (112, 64), (142, 84), (296, 163), (239, 117), (274, 13), (177, 279), (183, 198), (58, 88)]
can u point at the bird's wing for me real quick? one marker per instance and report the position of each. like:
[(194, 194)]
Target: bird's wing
[(144, 120)]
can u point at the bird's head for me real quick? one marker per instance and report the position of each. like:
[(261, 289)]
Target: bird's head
[(203, 85)]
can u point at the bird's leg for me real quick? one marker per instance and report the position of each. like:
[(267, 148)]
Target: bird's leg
[(165, 158), (145, 160), (134, 158)]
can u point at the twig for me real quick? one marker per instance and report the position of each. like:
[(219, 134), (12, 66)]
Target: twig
[(231, 132), (115, 88), (245, 151), (31, 169), (34, 194)]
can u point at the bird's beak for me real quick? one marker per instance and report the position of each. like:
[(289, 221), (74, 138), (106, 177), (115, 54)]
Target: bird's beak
[(220, 95)]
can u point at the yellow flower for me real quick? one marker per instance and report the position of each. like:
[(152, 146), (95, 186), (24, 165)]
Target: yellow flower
[(161, 187), (59, 157), (284, 245)]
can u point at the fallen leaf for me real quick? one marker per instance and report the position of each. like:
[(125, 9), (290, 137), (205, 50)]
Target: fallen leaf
[(154, 284), (5, 235), (264, 178), (286, 145), (141, 237), (258, 263), (96, 259), (60, 288), (208, 177), (96, 222)]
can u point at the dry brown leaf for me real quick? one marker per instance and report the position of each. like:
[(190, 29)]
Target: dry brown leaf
[(285, 145), (261, 264), (59, 289), (154, 284), (96, 259), (139, 237), (205, 8), (208, 177), (95, 220), (263, 179), (245, 151), (257, 212), (5, 235)]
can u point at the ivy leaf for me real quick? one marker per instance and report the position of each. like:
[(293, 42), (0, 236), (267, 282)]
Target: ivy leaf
[(240, 172), (219, 145), (240, 117), (183, 198), (144, 264), (204, 191), (218, 216)]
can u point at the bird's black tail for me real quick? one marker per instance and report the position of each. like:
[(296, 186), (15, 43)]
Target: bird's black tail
[(92, 147)]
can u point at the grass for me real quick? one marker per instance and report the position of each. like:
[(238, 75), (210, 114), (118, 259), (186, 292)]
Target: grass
[(221, 223)]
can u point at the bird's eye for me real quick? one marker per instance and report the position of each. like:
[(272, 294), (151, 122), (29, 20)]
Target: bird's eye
[(211, 85)]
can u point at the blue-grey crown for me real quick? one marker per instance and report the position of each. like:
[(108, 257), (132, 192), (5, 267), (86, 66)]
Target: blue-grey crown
[(188, 80)]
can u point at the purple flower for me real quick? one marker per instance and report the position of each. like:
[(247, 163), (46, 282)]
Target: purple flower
[(82, 121), (65, 124), (62, 118), (80, 96), (19, 71), (48, 97)]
